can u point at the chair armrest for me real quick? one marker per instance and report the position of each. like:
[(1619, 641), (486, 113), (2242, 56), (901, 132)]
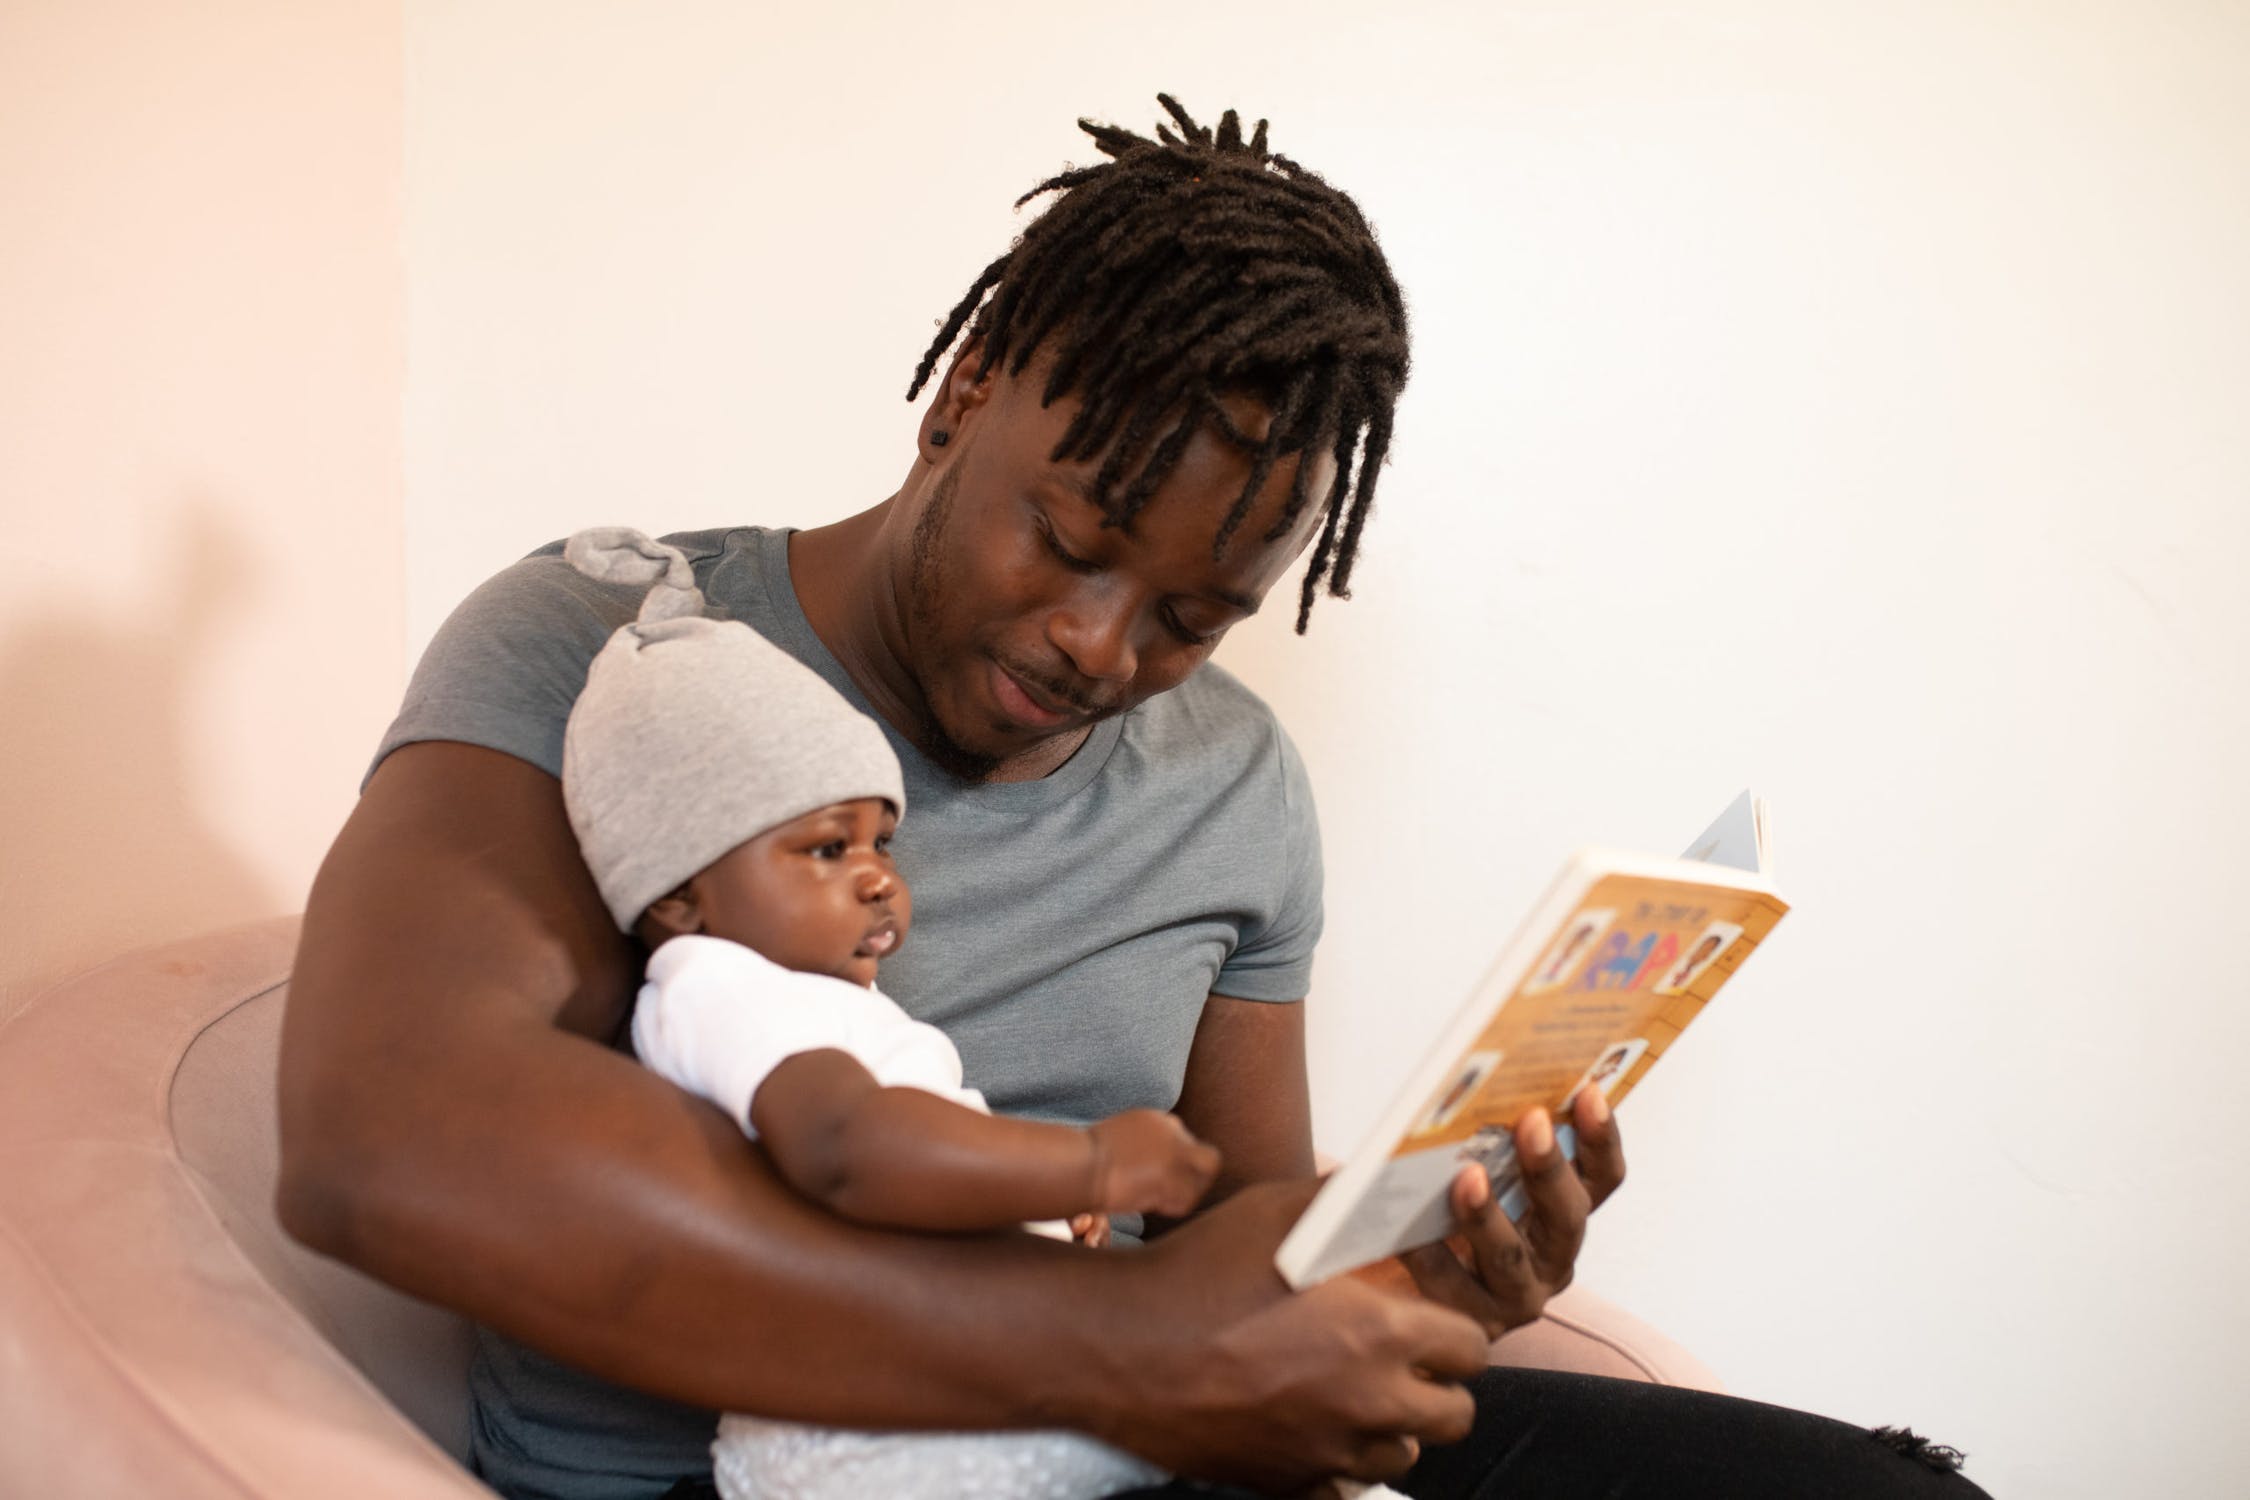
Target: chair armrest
[(142, 1352), (1582, 1333)]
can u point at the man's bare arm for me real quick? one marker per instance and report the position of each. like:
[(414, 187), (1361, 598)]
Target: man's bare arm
[(1245, 1091), (451, 1124)]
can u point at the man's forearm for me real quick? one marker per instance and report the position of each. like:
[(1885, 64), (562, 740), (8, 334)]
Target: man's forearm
[(610, 1220)]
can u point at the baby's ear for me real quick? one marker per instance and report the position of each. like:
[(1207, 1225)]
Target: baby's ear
[(671, 916)]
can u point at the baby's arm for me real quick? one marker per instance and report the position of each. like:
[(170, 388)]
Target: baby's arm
[(910, 1159), (768, 1046)]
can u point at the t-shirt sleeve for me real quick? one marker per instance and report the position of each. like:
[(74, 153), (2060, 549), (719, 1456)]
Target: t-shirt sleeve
[(506, 666), (1274, 959)]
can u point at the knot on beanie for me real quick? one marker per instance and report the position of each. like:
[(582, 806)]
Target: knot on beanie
[(619, 554), (673, 757)]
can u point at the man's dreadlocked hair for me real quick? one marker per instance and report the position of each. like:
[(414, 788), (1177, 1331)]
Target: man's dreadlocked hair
[(1184, 269)]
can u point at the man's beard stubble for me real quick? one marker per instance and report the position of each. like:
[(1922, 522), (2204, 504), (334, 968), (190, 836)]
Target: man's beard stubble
[(926, 592)]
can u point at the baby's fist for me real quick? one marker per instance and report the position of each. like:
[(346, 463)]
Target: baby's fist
[(1146, 1161)]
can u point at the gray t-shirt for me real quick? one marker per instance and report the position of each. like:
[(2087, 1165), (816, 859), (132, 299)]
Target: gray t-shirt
[(1066, 931)]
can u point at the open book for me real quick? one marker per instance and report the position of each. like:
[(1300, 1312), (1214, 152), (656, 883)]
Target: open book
[(1619, 956)]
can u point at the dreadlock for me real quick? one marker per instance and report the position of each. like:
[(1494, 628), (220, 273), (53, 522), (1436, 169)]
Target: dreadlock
[(1183, 269)]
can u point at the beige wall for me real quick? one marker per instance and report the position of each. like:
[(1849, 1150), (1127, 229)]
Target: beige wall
[(201, 340)]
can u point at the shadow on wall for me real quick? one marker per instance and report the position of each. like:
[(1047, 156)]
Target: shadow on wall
[(101, 849)]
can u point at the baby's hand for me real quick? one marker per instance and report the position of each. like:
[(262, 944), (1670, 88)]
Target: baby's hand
[(1090, 1230), (1147, 1162)]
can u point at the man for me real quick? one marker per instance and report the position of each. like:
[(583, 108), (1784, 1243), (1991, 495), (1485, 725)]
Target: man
[(1178, 380)]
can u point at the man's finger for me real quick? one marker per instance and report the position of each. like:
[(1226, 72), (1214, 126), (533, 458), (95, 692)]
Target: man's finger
[(1508, 1269), (1439, 1275), (1430, 1411), (1500, 1286), (1560, 1201), (1445, 1412), (1384, 1456), (1425, 1336), (1490, 1278), (1601, 1150)]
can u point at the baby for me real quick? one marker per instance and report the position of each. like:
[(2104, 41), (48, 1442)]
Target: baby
[(737, 813)]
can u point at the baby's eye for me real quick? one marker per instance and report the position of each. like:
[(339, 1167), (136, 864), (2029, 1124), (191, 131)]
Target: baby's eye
[(833, 849), (882, 843)]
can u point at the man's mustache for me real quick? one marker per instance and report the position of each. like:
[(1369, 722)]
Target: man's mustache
[(1062, 692)]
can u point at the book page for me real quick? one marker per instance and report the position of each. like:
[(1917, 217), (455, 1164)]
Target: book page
[(1737, 839)]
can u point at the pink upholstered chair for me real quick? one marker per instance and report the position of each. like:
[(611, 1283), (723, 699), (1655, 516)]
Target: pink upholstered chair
[(160, 1335)]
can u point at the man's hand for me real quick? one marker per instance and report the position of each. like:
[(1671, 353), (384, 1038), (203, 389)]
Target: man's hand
[(1502, 1274), (1146, 1161), (1278, 1390)]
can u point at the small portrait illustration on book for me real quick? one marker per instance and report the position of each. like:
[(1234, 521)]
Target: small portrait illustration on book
[(1696, 957), (1575, 943), (1475, 1069), (1608, 1071), (1493, 1149)]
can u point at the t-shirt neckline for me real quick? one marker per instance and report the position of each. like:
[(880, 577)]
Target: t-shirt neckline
[(803, 642)]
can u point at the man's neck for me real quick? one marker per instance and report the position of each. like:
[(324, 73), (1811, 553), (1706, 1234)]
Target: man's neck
[(847, 580)]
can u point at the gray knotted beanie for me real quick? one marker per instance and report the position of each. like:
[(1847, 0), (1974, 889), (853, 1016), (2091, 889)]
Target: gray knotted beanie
[(694, 735)]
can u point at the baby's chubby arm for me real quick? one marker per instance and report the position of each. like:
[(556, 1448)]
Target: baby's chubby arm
[(909, 1159), (780, 1052)]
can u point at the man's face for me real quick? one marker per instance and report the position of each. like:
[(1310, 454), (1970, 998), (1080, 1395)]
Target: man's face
[(818, 893), (1029, 619)]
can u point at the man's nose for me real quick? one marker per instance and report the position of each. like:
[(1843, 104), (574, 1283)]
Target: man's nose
[(1094, 628)]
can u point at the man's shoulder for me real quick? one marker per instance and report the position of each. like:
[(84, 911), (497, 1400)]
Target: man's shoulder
[(542, 596), (699, 546), (507, 664), (726, 556)]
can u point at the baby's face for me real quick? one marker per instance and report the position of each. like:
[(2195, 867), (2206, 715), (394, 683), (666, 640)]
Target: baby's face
[(818, 894)]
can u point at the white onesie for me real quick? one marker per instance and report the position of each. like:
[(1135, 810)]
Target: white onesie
[(716, 1018)]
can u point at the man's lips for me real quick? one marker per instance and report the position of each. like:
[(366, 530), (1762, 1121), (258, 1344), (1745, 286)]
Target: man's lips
[(1024, 704)]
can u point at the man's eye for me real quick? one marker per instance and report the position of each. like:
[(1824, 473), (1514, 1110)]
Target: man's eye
[(1064, 555), (1179, 627)]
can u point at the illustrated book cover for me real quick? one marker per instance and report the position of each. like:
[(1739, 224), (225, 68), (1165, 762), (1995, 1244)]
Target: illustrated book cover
[(1616, 960)]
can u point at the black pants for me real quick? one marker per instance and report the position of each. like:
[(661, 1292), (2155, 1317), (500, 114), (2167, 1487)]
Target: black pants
[(1541, 1435)]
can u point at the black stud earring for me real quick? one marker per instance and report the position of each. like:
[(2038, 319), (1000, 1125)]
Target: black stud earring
[(940, 438)]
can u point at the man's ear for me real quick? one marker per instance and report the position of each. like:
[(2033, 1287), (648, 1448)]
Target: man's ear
[(671, 916), (960, 395)]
